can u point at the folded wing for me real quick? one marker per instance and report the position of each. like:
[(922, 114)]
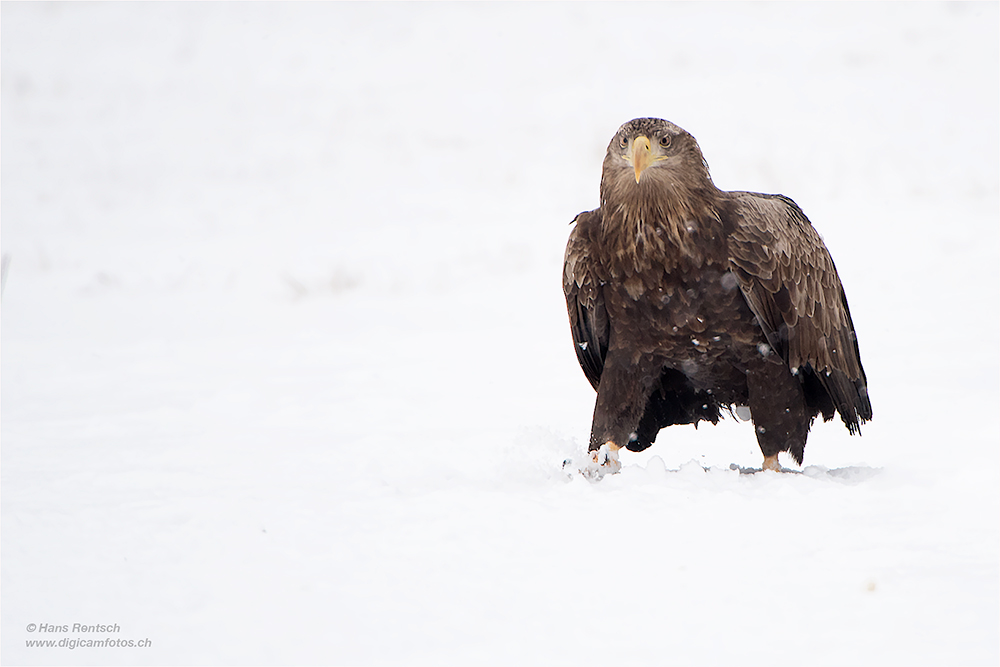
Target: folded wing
[(791, 285), (588, 316)]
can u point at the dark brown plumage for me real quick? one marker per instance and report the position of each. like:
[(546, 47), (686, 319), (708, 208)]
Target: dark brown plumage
[(685, 300)]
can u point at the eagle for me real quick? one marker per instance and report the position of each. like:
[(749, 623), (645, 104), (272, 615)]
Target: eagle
[(686, 301)]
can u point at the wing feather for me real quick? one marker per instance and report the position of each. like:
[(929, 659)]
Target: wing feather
[(582, 285), (791, 285)]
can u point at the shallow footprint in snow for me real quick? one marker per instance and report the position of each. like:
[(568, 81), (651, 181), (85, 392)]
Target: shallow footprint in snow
[(751, 471)]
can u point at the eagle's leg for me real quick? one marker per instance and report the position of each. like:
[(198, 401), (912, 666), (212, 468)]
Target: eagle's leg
[(778, 409), (622, 395)]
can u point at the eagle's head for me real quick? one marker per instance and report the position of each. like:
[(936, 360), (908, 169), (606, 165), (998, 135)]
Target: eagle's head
[(651, 155)]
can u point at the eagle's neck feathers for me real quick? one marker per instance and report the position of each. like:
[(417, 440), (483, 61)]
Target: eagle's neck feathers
[(646, 226)]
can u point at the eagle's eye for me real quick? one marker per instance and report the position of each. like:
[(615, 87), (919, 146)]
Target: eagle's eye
[(665, 140), (623, 141)]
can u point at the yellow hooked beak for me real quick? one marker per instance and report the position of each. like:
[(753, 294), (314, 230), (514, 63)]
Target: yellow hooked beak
[(642, 155)]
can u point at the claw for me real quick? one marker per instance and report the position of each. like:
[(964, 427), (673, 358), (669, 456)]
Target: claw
[(601, 462)]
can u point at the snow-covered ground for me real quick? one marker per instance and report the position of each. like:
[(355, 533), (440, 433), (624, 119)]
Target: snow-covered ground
[(287, 376)]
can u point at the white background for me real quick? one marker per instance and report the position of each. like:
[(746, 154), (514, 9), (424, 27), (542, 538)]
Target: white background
[(286, 371)]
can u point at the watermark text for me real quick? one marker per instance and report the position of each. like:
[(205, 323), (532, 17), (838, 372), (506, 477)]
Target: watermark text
[(47, 640)]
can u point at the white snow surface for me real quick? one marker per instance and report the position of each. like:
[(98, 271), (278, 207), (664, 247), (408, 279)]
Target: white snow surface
[(286, 370)]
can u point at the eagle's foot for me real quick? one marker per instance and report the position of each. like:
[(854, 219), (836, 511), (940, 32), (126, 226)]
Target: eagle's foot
[(601, 462), (771, 463)]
